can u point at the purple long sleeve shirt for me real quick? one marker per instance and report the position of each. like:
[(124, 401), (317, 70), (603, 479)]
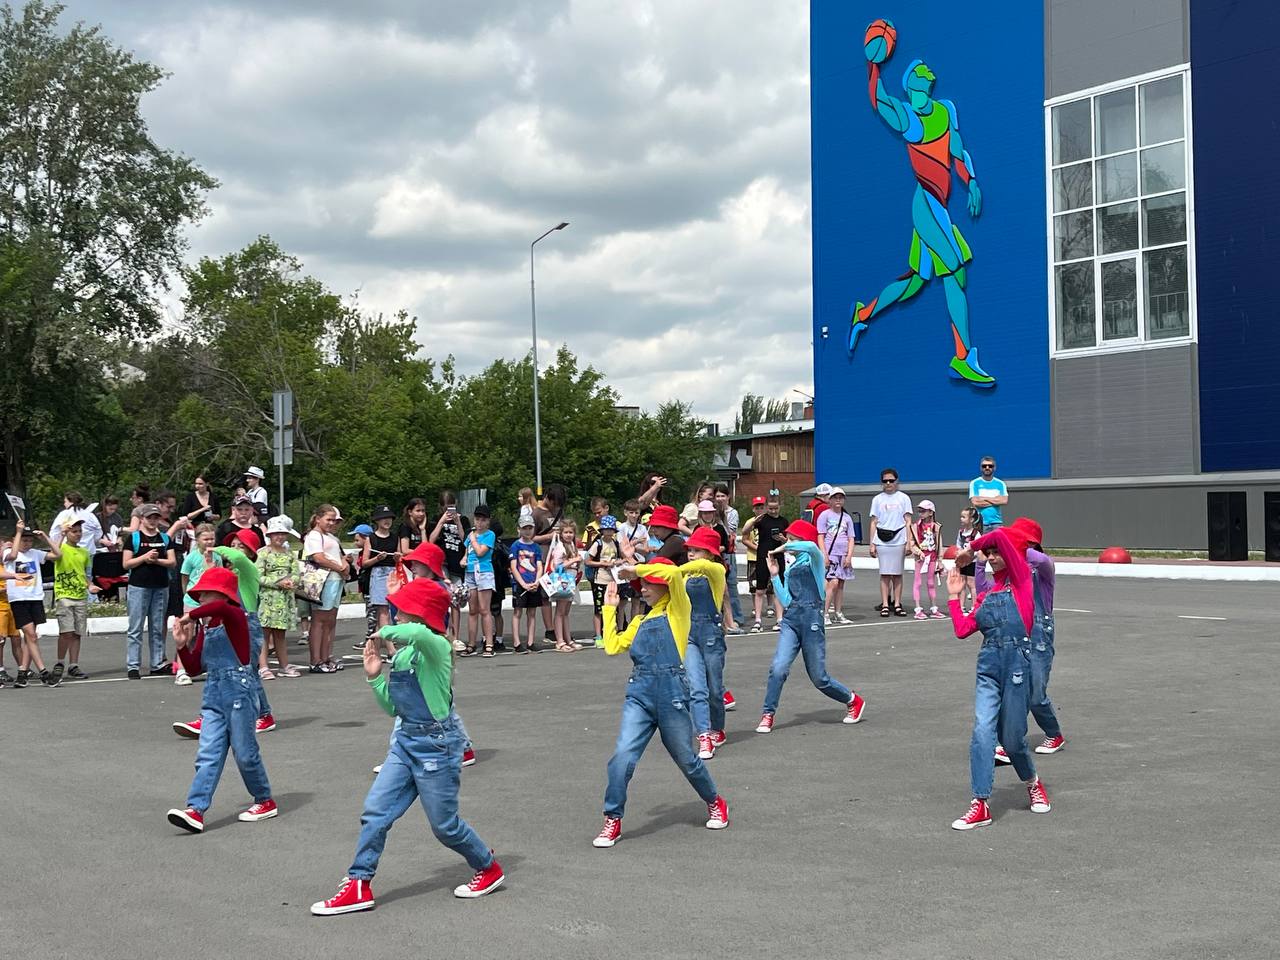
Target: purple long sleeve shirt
[(1046, 576)]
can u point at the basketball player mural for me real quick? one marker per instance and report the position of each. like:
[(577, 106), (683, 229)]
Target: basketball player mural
[(938, 249)]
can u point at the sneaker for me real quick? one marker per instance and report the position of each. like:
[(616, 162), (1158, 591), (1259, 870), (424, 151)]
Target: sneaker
[(729, 702), (377, 769), (190, 819), (706, 749), (190, 731), (75, 673), (717, 814), (826, 619), (857, 710), (260, 811), (21, 680), (920, 614), (1001, 756), (599, 643), (838, 618), (164, 669), (5, 679), (757, 627), (978, 816), (1038, 796), (766, 723), (717, 738), (1051, 744), (50, 679), (58, 670), (265, 724), (610, 833), (936, 614), (772, 614), (468, 757), (352, 895), (183, 679), (135, 675), (485, 881)]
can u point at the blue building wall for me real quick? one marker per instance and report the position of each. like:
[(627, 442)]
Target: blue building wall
[(893, 402), (1234, 52)]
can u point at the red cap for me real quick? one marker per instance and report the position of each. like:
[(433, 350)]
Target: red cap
[(1027, 531), (757, 501), (429, 555), (247, 536), (804, 530), (218, 580), (658, 581), (704, 538), (664, 516), (423, 598)]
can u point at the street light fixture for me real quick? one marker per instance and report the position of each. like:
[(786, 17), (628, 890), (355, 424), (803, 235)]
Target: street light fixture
[(533, 311)]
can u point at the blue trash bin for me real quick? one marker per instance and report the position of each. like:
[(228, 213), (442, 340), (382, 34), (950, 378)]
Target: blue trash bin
[(857, 526)]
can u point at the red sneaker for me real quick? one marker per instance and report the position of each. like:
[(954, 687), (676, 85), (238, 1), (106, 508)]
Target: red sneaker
[(766, 723), (706, 749), (189, 730), (485, 881), (260, 811), (189, 819), (717, 814), (266, 723), (978, 816), (729, 702), (610, 833), (1001, 756), (352, 895), (1038, 797), (857, 710), (468, 757), (717, 738), (1052, 744)]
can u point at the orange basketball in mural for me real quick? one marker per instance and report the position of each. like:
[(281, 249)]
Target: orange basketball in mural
[(879, 41)]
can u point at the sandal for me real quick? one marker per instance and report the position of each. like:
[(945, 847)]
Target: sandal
[(884, 612), (467, 652), (899, 612), (320, 668), (566, 648), (264, 673), (488, 650), (290, 671)]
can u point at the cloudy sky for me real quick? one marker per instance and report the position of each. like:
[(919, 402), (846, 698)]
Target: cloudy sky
[(412, 149)]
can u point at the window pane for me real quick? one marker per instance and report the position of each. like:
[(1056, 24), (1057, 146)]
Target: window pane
[(1071, 140), (1073, 235), (1073, 186), (1118, 178), (1168, 311), (1120, 300), (1164, 220), (1161, 112), (1116, 127), (1163, 168), (1118, 228), (1074, 285)]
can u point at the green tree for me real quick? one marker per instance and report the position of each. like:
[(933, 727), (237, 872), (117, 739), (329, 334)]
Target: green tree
[(756, 409), (91, 218)]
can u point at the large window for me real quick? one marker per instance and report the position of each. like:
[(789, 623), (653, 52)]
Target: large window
[(1119, 184)]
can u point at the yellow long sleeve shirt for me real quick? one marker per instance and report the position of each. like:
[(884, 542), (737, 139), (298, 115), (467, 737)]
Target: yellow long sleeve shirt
[(674, 606), (713, 570)]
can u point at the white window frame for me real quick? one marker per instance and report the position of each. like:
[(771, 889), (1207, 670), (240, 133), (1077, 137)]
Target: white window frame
[(1131, 343)]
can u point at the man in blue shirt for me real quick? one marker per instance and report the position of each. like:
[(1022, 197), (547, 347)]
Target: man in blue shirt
[(988, 494)]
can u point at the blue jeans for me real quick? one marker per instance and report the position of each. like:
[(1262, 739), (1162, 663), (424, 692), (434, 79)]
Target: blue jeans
[(731, 588), (704, 663), (1000, 711), (149, 604), (434, 783), (811, 642), (227, 719), (1041, 705), (655, 702)]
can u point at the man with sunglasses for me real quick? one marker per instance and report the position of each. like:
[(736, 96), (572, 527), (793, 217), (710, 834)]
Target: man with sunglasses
[(988, 494)]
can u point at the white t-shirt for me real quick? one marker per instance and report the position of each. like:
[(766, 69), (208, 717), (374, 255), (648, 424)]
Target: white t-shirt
[(90, 530), (326, 543), (258, 495), (891, 510), (29, 585)]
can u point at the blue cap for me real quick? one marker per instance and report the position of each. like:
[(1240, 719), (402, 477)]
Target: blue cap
[(363, 529), (608, 522)]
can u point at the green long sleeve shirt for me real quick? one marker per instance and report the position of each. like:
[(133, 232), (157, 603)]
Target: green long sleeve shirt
[(434, 667), (247, 574)]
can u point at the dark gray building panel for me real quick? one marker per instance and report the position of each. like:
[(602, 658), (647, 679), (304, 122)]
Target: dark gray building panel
[(1126, 414), (1092, 42)]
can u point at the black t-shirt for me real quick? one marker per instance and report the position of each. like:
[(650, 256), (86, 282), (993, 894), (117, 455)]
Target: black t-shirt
[(766, 527), (191, 504), (410, 533), (228, 527), (453, 541), (673, 549), (148, 574), (725, 555), (388, 544)]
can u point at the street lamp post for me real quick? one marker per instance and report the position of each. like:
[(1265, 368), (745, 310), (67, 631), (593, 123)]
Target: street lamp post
[(533, 311)]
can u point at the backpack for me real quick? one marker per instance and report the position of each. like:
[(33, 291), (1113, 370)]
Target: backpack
[(137, 540)]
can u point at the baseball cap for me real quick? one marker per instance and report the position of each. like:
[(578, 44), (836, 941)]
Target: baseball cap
[(363, 529), (481, 510), (823, 490), (608, 522), (706, 506), (757, 501), (148, 510), (926, 505), (242, 501)]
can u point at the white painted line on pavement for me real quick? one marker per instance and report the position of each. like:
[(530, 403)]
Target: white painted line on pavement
[(1070, 610), (1190, 617)]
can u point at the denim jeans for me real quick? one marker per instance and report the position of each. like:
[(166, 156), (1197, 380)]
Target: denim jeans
[(657, 700), (1000, 711), (433, 781), (149, 604), (227, 719), (811, 642), (704, 663), (731, 589), (1041, 665)]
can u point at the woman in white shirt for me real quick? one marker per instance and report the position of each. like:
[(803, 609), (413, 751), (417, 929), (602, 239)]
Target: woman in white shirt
[(323, 551), (890, 520)]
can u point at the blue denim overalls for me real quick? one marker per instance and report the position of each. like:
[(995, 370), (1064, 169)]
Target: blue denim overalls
[(802, 632), (657, 699), (1042, 664), (424, 763), (256, 640), (1002, 693), (704, 658), (229, 710)]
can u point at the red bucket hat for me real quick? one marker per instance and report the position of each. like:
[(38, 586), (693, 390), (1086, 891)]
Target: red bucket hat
[(803, 530), (1026, 531), (666, 561), (704, 538), (425, 599), (249, 538), (664, 516), (429, 555), (221, 580)]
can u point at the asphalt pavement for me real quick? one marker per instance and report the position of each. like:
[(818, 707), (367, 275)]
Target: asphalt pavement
[(1162, 842)]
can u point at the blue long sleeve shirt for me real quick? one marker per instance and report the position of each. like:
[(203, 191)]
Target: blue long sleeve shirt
[(808, 562)]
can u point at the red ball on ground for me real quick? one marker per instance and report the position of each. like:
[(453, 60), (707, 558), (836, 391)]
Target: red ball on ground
[(1115, 555)]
